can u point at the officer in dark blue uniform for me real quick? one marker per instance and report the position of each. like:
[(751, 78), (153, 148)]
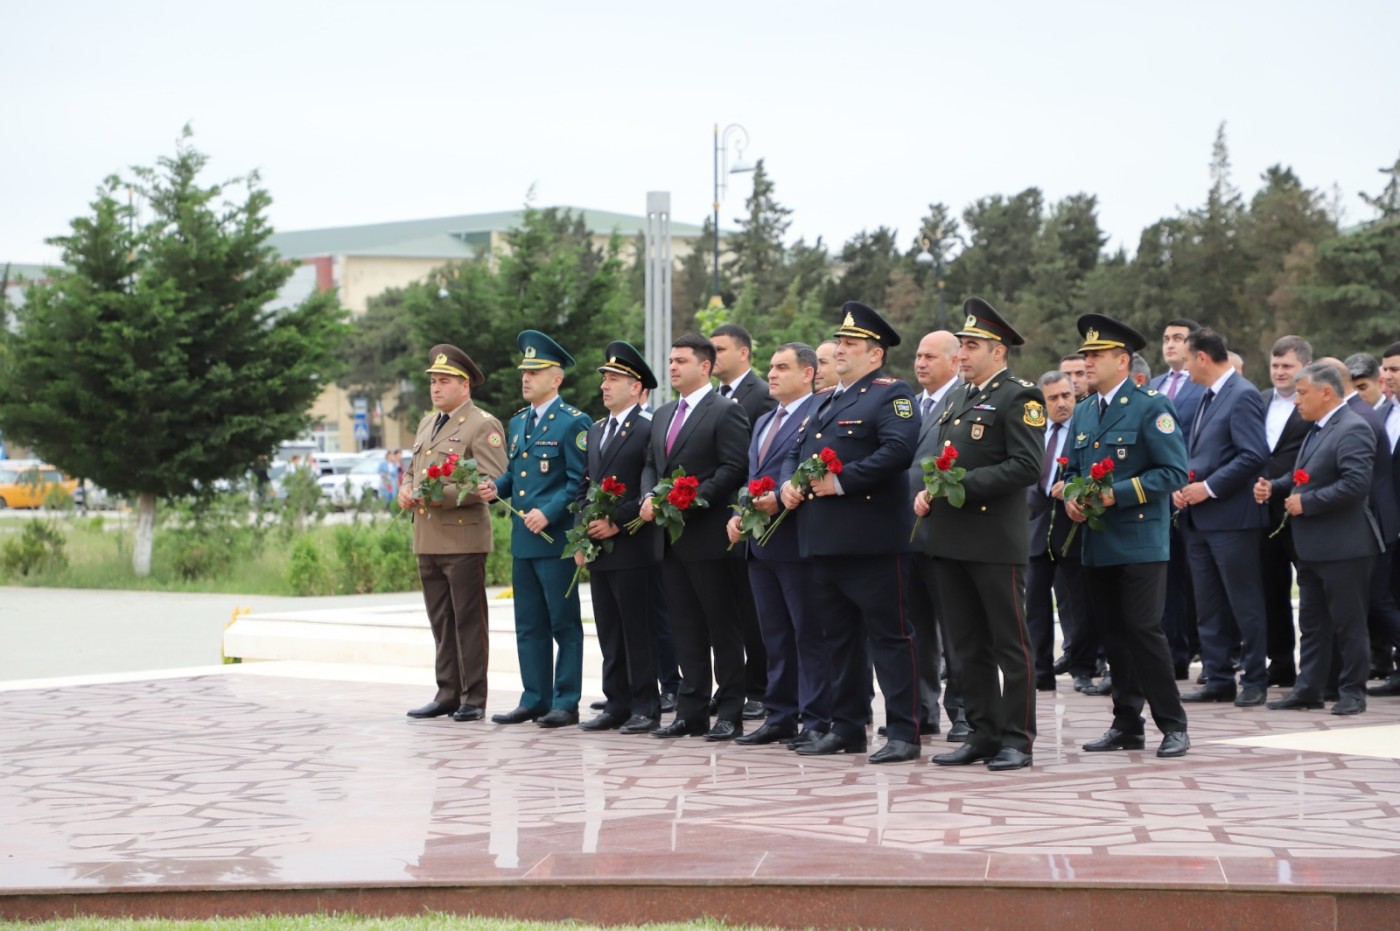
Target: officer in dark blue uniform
[(855, 527), (1125, 562), (546, 447)]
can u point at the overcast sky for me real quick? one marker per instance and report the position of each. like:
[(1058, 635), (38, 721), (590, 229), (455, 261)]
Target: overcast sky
[(360, 112)]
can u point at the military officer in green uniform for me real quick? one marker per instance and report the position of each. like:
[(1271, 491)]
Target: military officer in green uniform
[(981, 549), (546, 448), (1125, 562)]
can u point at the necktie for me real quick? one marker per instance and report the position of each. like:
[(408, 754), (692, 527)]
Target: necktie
[(612, 428), (926, 407), (530, 422), (676, 422), (1174, 382), (1303, 450), (1047, 464), (772, 432), (441, 419), (724, 391), (1201, 414), (1103, 408)]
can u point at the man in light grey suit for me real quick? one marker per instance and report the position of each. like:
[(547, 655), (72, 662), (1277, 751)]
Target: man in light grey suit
[(1337, 540), (936, 368)]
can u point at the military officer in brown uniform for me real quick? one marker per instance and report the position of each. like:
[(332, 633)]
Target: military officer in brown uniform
[(452, 540)]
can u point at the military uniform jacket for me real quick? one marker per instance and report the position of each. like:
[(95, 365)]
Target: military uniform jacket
[(1140, 434), (622, 461), (999, 433), (544, 472), (873, 429), (471, 433)]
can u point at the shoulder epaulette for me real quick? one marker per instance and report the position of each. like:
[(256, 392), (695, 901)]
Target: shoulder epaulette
[(646, 414), (884, 380), (521, 411), (1022, 382), (1150, 391), (571, 410), (827, 390)]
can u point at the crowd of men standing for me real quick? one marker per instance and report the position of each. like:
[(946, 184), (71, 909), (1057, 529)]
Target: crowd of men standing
[(1157, 518)]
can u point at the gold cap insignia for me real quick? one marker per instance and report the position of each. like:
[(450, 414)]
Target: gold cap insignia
[(849, 321), (1091, 335), (612, 360), (441, 359), (970, 322), (529, 352)]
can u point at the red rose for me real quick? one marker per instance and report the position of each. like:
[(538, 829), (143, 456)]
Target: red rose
[(1107, 465), (951, 452), (1301, 478), (452, 457), (944, 463), (828, 455), (612, 486), (434, 472), (1191, 475), (768, 483), (1063, 460), (681, 497), (756, 488), (834, 466), (687, 481), (1096, 471)]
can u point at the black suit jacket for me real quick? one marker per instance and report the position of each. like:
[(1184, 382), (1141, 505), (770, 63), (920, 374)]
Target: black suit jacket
[(1383, 500), (752, 395), (1049, 522), (929, 445), (1337, 521), (1284, 455), (623, 460), (713, 446)]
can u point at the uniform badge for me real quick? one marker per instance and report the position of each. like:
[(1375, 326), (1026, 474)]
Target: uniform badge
[(977, 431), (581, 441), (1122, 452), (1165, 424), (544, 466), (903, 407), (1035, 414), (494, 440)]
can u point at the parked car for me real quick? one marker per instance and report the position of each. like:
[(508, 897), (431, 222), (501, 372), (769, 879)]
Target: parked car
[(30, 486), (348, 489)]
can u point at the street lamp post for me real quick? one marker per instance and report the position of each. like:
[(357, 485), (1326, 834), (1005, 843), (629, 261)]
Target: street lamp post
[(737, 132), (936, 259)]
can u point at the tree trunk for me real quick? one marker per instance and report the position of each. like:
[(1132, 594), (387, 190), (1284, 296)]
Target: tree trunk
[(145, 533)]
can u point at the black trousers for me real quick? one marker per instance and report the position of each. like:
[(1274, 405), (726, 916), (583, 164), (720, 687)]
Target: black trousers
[(1178, 614), (1332, 602), (755, 652), (622, 617), (985, 604), (668, 673), (860, 601), (704, 622), (454, 591), (1276, 565), (1125, 605), (932, 642)]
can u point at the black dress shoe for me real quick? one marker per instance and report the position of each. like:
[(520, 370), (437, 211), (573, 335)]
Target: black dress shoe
[(830, 743), (433, 709), (668, 702), (468, 713), (896, 751), (1283, 676), (607, 721), (558, 717), (1045, 683), (1208, 694), (1175, 743), (1083, 683), (639, 724), (725, 730), (1201, 679), (1009, 758), (518, 715), (1061, 665), (768, 734), (598, 705), (1104, 687), (805, 736), (1114, 739), (1250, 697), (1349, 705), (754, 711), (1390, 686), (1295, 702), (959, 732), (678, 728), (966, 755)]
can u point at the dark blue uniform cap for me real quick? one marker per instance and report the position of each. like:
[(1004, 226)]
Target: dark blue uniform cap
[(1103, 332), (861, 322), (541, 351), (624, 359)]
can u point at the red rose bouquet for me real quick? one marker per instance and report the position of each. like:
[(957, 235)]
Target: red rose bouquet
[(808, 471), (1089, 493), (599, 504), (942, 479), (670, 502), (752, 521), (466, 475), (1300, 478)]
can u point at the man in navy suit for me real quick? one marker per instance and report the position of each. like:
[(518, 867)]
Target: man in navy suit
[(1390, 413), (799, 665), (708, 437), (1337, 539), (855, 526), (737, 382), (1284, 429), (621, 579), (1179, 613), (1223, 523)]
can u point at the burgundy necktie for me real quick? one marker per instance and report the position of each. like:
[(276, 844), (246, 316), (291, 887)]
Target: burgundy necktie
[(675, 426), (1171, 388), (772, 432)]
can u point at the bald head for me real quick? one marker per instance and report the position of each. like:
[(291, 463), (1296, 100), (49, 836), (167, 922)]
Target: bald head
[(935, 363), (1342, 372)]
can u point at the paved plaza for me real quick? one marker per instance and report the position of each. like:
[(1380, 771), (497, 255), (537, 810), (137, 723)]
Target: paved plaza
[(301, 786)]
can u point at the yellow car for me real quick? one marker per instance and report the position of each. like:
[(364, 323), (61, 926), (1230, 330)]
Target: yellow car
[(32, 486)]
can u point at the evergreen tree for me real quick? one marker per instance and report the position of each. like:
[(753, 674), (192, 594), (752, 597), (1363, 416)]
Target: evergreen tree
[(758, 262)]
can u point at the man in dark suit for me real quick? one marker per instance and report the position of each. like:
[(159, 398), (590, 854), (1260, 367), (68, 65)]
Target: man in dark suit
[(1053, 577), (1337, 539), (854, 526), (1179, 611), (799, 666), (737, 382), (1223, 523), (1284, 429), (1390, 414), (621, 578), (980, 549), (936, 369), (708, 437), (1125, 562)]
